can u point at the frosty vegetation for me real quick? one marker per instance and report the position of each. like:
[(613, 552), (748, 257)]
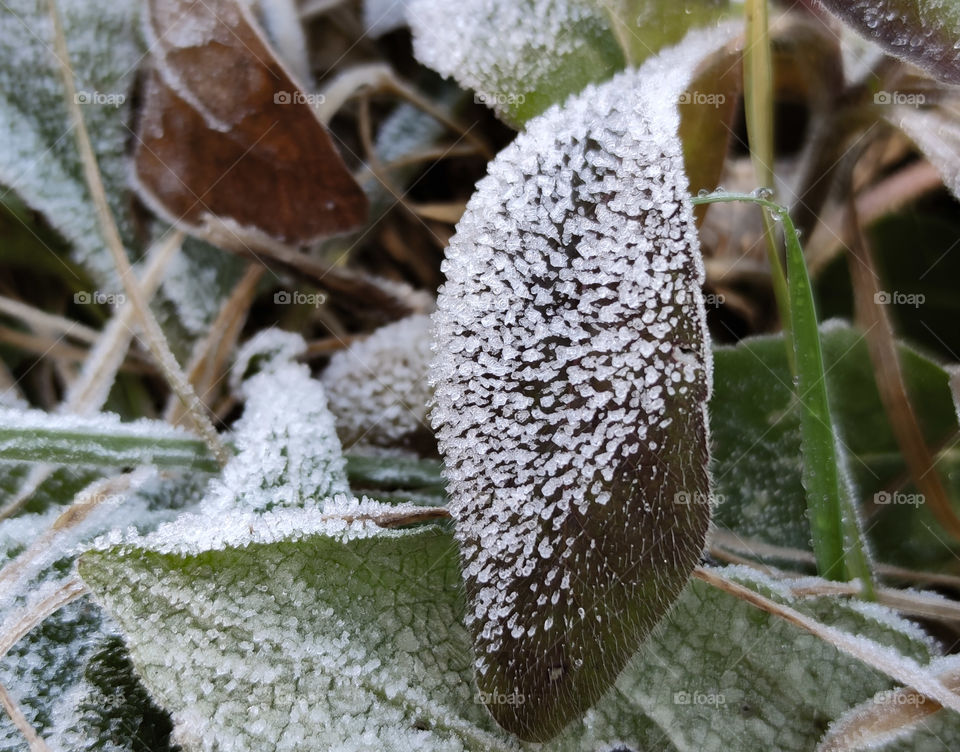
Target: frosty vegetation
[(572, 374), (326, 587)]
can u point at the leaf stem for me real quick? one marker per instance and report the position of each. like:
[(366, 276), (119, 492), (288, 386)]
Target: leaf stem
[(758, 103)]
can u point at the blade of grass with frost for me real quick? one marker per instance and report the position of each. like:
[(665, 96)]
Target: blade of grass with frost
[(394, 472), (572, 373), (837, 540), (99, 441)]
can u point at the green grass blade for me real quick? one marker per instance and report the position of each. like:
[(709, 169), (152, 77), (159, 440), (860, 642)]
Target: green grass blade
[(36, 437), (837, 540), (394, 473)]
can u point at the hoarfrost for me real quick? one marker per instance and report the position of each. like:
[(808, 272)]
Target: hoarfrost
[(508, 50), (287, 451), (572, 374), (314, 643), (378, 389)]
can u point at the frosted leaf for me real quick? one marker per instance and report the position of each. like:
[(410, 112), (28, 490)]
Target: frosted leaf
[(287, 451), (519, 55), (266, 350), (378, 389), (895, 719), (45, 670), (937, 134), (38, 154), (351, 639), (572, 374), (334, 639), (924, 32)]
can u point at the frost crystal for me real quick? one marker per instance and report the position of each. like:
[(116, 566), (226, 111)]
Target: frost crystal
[(288, 454), (377, 388), (508, 50), (572, 375)]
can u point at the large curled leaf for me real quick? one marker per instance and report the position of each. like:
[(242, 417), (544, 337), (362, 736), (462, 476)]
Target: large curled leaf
[(314, 635), (924, 32), (571, 375)]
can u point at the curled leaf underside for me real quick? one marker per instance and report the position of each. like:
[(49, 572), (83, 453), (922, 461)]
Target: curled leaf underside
[(572, 374)]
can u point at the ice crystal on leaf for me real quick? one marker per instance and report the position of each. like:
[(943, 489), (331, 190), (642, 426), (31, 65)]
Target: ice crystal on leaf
[(921, 31), (288, 454), (572, 374), (377, 389)]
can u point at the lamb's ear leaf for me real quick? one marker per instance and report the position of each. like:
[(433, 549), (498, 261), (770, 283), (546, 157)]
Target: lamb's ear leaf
[(353, 638), (924, 32), (521, 56), (753, 415), (571, 375)]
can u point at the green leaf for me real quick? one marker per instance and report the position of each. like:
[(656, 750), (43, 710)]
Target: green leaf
[(755, 428), (36, 436), (393, 473), (923, 32), (643, 27), (521, 56), (352, 639)]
